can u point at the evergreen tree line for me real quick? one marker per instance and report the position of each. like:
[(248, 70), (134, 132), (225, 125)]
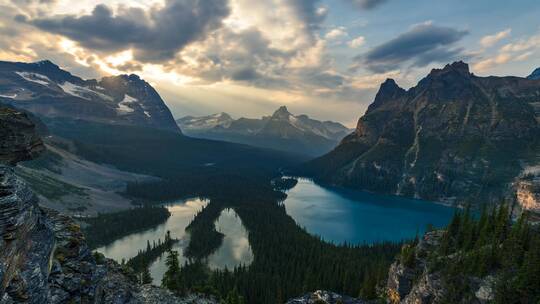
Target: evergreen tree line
[(284, 183), (142, 261), (288, 260), (492, 244), (108, 227)]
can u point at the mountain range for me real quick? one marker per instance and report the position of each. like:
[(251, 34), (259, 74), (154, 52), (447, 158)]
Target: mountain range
[(281, 131), (454, 137), (101, 135)]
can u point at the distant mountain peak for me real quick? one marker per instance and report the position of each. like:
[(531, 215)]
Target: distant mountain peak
[(46, 63), (535, 75), (223, 115), (282, 113), (390, 87), (389, 90)]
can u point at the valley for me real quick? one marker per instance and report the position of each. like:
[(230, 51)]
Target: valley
[(335, 215), (262, 223)]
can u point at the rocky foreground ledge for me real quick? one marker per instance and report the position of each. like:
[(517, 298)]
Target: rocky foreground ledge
[(44, 257), (326, 297), (419, 285)]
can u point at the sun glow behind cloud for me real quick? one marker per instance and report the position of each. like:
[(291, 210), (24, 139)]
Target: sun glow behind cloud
[(248, 57)]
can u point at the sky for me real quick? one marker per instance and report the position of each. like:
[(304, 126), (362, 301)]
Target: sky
[(324, 58)]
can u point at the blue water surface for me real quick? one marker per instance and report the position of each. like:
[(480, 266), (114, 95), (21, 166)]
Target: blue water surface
[(357, 217)]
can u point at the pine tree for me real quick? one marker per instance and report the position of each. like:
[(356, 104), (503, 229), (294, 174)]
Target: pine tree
[(171, 278), (146, 277)]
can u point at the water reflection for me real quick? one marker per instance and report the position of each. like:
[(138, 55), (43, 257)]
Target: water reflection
[(235, 249), (158, 267), (359, 217), (182, 214)]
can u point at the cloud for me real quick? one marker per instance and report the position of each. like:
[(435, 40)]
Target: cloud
[(520, 50), (357, 42), (422, 44), (366, 4), (489, 63), (532, 42), (154, 35), (310, 13), (491, 40), (245, 56), (336, 33)]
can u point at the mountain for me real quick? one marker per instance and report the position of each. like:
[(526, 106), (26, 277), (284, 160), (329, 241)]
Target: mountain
[(280, 131), (454, 137), (204, 123), (46, 90), (535, 75)]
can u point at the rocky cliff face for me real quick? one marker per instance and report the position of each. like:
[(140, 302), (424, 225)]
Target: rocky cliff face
[(454, 137), (46, 90), (43, 254), (19, 141), (415, 283)]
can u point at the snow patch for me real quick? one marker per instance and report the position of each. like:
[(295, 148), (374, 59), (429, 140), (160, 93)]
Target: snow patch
[(79, 91), (9, 96), (74, 90), (123, 106), (35, 77)]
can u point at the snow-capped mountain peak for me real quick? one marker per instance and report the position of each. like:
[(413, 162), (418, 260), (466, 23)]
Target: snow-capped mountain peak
[(46, 90), (282, 130)]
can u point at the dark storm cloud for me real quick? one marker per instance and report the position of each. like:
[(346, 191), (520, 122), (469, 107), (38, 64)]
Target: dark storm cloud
[(326, 80), (420, 46), (367, 4), (245, 74), (309, 13), (155, 35)]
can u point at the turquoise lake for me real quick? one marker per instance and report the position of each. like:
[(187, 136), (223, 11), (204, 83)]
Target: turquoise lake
[(339, 215), (336, 215)]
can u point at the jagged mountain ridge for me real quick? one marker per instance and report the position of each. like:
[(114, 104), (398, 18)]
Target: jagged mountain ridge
[(46, 90), (282, 131), (453, 137)]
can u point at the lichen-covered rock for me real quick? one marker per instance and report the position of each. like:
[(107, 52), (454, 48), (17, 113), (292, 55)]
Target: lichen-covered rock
[(322, 296), (18, 139), (150, 294), (27, 236), (528, 196)]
